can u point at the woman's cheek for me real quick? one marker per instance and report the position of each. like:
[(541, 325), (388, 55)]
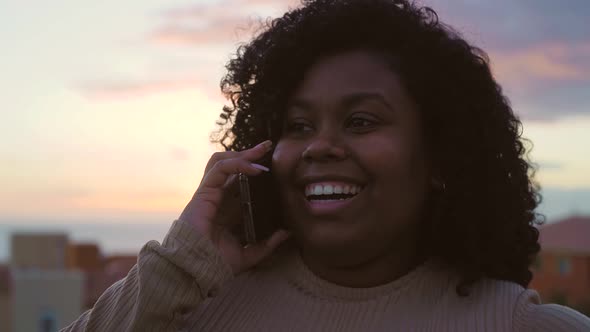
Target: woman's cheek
[(280, 161)]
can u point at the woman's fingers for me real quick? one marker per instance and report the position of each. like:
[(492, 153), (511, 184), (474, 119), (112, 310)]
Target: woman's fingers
[(224, 165), (255, 253), (218, 176), (257, 152), (251, 154)]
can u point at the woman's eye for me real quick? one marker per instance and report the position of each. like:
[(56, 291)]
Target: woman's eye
[(360, 123), (298, 127)]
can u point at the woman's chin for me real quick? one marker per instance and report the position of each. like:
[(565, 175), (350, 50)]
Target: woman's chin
[(332, 244)]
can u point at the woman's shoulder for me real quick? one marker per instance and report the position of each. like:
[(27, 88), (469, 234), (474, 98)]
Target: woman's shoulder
[(526, 309), (532, 315)]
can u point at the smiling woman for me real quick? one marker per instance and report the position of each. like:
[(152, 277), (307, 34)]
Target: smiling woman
[(397, 166)]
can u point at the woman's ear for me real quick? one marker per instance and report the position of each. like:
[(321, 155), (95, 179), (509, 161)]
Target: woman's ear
[(436, 180), (438, 184)]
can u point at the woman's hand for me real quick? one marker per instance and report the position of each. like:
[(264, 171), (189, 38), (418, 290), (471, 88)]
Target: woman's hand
[(214, 209)]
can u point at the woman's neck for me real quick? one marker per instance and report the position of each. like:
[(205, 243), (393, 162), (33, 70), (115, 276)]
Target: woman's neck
[(363, 273)]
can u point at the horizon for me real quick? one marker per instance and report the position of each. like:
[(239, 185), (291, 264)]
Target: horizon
[(109, 238)]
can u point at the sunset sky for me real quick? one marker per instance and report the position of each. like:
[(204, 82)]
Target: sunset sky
[(107, 106)]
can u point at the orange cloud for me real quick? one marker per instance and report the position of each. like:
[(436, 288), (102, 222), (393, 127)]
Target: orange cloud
[(218, 31), (180, 154), (224, 22), (549, 61), (130, 89), (131, 201), (282, 3)]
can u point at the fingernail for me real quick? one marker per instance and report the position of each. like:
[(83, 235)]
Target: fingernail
[(266, 145), (260, 167)]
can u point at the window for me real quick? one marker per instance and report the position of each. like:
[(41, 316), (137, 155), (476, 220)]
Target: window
[(47, 321), (564, 266)]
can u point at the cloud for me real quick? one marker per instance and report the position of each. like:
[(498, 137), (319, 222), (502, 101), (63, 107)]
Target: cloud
[(545, 81), (220, 31), (49, 200), (539, 49), (156, 200), (550, 61), (225, 22), (203, 26), (509, 24), (179, 154), (553, 103), (282, 3), (121, 89), (200, 25), (550, 165)]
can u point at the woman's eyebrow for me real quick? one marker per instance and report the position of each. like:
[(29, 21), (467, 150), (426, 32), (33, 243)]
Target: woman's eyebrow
[(300, 104), (358, 98), (346, 101)]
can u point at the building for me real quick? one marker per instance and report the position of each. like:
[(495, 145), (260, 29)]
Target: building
[(39, 251), (5, 298), (44, 295), (45, 300), (562, 270), (51, 281), (86, 257), (83, 256)]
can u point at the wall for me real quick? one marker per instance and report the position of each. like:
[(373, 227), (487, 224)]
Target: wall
[(562, 277), (54, 297)]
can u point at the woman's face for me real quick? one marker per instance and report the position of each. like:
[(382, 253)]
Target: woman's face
[(351, 164)]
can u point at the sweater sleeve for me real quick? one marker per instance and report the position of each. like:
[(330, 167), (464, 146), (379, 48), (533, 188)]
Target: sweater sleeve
[(531, 315), (169, 280)]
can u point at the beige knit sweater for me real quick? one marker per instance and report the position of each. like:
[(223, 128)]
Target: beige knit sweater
[(183, 285)]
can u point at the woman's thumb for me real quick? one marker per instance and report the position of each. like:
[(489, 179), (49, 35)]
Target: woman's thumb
[(254, 254), (277, 238)]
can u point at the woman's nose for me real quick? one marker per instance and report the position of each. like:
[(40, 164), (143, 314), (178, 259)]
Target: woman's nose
[(324, 149)]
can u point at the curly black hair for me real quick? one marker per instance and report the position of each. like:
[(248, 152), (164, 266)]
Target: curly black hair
[(483, 224)]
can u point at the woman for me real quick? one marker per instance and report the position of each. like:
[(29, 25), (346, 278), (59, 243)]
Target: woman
[(397, 168)]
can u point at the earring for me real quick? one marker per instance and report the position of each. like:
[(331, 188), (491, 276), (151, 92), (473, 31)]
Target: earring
[(439, 185)]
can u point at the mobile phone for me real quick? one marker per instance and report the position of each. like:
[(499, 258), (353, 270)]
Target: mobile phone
[(246, 207), (261, 207)]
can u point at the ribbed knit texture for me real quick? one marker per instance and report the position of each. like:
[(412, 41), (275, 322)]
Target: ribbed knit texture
[(184, 285)]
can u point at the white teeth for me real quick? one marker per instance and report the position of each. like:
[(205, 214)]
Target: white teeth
[(318, 190), (329, 189)]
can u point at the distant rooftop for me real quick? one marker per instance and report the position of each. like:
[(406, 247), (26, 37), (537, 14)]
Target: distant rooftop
[(571, 234)]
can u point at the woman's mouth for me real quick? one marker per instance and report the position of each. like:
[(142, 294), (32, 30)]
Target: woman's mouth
[(331, 191), (330, 197)]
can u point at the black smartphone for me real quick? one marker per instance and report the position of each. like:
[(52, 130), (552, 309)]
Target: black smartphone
[(246, 209), (260, 205)]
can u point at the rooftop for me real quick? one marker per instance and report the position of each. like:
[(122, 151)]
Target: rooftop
[(570, 234)]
